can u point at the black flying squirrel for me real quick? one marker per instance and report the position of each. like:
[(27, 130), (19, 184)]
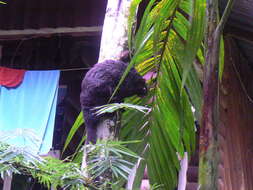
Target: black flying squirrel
[(98, 85)]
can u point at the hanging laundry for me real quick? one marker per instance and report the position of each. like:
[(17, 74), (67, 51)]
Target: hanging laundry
[(31, 106), (11, 77)]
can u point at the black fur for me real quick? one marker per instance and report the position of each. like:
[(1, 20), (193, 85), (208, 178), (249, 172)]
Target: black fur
[(98, 85)]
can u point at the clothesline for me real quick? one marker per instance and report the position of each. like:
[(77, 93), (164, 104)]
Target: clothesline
[(70, 69), (75, 69)]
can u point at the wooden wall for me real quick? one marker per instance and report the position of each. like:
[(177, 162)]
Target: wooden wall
[(236, 126)]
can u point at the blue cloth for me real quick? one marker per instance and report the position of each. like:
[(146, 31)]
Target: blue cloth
[(32, 106)]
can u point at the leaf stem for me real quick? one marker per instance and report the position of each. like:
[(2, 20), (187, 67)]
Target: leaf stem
[(224, 17)]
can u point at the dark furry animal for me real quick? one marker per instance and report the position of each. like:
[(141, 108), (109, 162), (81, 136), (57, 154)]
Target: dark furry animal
[(98, 85)]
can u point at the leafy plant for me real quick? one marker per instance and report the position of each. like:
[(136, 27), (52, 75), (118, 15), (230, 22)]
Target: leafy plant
[(49, 171), (164, 47), (58, 173), (109, 157), (23, 160), (78, 123), (52, 172), (110, 108)]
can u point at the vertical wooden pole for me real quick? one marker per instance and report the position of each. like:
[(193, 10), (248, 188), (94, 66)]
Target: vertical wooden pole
[(7, 182), (7, 178), (182, 176)]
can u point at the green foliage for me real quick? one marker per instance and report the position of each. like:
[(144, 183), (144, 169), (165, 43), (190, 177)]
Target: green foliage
[(49, 171), (105, 157), (110, 108), (221, 58), (110, 157), (11, 157), (58, 173), (78, 122), (165, 46)]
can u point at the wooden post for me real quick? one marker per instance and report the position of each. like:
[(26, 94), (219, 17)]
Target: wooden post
[(7, 178), (7, 182), (182, 176)]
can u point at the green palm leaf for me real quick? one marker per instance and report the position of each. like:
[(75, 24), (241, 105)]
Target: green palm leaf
[(78, 123), (165, 47)]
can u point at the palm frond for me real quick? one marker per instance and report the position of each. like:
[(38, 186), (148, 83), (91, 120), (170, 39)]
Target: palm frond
[(77, 124), (109, 108), (165, 47)]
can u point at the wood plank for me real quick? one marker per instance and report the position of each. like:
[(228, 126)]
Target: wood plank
[(241, 15), (239, 33), (235, 129), (49, 31)]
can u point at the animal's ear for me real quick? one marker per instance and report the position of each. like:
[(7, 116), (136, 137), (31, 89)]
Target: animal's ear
[(125, 56)]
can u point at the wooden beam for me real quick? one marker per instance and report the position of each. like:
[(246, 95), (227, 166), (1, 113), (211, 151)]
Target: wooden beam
[(93, 30), (235, 136)]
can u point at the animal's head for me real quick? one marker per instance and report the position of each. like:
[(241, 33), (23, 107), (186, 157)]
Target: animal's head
[(141, 87), (133, 84), (136, 84)]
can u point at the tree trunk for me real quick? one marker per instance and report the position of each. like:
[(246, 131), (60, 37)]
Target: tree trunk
[(114, 35), (209, 157), (113, 43), (209, 152)]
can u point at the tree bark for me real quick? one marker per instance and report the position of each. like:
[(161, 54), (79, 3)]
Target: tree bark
[(209, 152), (113, 43), (114, 35)]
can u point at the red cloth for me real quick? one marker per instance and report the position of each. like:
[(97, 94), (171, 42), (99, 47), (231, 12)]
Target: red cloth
[(11, 77)]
